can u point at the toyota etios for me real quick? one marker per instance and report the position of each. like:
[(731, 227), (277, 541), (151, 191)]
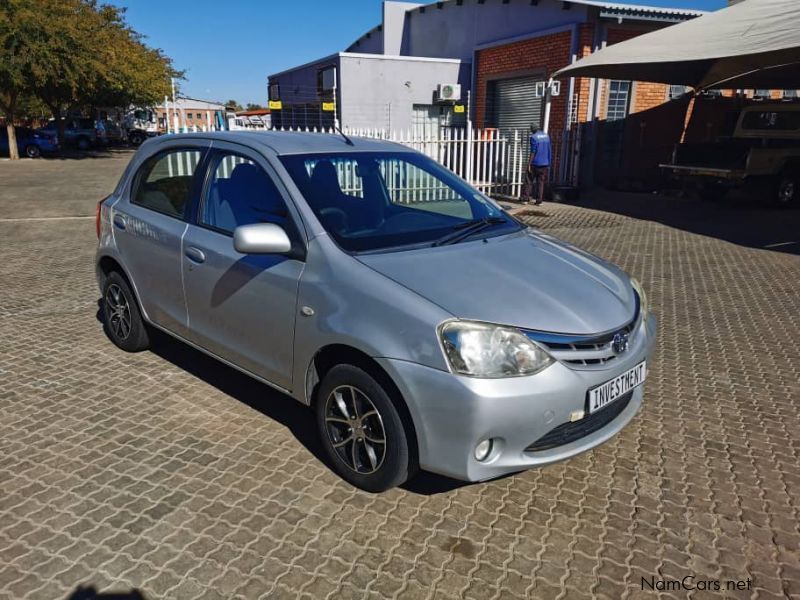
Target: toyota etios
[(426, 326)]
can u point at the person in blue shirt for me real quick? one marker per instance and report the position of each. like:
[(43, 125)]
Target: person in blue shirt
[(538, 166)]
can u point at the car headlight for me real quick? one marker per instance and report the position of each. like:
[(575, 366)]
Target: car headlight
[(492, 351), (644, 307)]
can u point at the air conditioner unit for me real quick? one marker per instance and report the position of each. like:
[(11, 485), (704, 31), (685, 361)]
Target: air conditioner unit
[(448, 92)]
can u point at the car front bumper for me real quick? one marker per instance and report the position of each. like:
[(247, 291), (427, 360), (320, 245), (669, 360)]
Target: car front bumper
[(453, 413)]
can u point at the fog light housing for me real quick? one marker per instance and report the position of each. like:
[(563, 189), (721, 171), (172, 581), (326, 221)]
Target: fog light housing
[(483, 450)]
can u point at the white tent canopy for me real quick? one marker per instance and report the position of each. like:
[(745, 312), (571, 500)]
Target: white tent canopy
[(752, 44)]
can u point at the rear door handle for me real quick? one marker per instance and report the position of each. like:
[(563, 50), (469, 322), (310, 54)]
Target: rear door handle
[(195, 254), (119, 221)]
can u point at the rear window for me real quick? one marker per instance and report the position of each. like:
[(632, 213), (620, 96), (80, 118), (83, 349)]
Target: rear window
[(165, 181), (772, 120)]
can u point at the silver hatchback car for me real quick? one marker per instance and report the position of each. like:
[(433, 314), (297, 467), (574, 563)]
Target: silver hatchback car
[(426, 326)]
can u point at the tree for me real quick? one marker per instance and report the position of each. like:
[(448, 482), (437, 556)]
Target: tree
[(68, 52), (30, 48), (233, 106), (251, 106)]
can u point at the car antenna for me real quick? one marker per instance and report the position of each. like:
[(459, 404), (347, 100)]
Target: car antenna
[(347, 140)]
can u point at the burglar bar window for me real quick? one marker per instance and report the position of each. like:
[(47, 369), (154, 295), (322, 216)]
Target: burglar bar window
[(789, 94), (677, 91), (761, 94), (619, 96)]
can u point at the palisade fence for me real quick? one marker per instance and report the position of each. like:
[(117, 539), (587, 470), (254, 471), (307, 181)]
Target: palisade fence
[(492, 160)]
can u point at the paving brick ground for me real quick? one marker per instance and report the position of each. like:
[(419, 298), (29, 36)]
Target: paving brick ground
[(167, 472)]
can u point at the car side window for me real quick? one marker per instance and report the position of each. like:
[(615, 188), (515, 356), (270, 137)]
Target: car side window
[(240, 192), (165, 181)]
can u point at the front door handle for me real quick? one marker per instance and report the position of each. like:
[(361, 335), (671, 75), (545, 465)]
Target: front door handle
[(195, 254), (119, 221)]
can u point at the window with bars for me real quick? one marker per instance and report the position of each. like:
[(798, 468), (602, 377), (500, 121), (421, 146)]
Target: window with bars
[(619, 99), (677, 91), (789, 94)]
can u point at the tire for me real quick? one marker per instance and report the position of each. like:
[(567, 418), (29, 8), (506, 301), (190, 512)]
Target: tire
[(83, 143), (786, 190), (32, 151), (122, 320), (136, 138), (371, 416)]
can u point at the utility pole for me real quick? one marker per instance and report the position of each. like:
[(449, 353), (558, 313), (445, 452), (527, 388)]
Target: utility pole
[(469, 139), (335, 103)]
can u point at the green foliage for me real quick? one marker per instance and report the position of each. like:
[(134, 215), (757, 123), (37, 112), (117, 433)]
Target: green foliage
[(251, 106), (233, 105), (76, 52)]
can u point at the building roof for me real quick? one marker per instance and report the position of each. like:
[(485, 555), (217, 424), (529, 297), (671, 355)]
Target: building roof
[(607, 9), (286, 142), (194, 103), (614, 9)]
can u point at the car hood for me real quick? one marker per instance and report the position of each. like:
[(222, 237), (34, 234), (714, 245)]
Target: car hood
[(527, 280)]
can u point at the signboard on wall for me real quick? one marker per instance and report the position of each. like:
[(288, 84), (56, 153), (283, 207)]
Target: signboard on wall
[(328, 106), (275, 105)]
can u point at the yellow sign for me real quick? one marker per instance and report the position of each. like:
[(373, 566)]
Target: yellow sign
[(459, 108), (275, 105), (328, 106)]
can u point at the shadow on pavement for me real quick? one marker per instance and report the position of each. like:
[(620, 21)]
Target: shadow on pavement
[(296, 417), (735, 218), (93, 153), (90, 593)]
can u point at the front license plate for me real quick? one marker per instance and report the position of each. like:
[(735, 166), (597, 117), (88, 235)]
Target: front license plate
[(605, 394)]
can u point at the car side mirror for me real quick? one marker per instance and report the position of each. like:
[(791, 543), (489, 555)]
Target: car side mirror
[(261, 238)]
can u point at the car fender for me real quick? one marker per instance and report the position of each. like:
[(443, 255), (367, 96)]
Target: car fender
[(341, 301)]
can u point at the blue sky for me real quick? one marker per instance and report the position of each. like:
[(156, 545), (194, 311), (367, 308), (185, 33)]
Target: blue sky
[(229, 48)]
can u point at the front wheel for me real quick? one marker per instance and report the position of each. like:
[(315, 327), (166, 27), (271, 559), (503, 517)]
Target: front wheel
[(122, 320), (83, 143), (32, 151), (135, 138), (361, 430)]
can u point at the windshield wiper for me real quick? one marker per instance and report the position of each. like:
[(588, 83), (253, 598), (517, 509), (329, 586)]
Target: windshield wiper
[(464, 230)]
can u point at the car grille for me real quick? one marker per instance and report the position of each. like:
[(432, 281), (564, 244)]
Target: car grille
[(585, 350), (575, 430)]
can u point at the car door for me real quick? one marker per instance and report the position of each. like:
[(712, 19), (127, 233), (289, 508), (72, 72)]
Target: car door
[(148, 225), (242, 307)]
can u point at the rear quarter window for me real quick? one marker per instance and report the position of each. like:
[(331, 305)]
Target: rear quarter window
[(164, 182)]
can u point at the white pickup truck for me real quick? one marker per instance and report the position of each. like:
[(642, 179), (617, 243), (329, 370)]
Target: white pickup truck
[(763, 155)]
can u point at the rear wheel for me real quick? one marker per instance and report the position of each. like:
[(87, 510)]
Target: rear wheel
[(32, 151), (786, 190), (83, 143), (361, 430), (135, 138), (122, 319)]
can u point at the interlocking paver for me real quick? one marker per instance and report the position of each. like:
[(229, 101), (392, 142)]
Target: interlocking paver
[(167, 472)]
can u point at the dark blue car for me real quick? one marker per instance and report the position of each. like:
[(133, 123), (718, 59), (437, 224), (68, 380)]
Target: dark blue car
[(30, 143)]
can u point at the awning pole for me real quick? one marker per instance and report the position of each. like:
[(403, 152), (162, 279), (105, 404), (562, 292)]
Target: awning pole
[(547, 99)]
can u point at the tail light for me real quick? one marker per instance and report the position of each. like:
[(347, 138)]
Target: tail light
[(97, 214)]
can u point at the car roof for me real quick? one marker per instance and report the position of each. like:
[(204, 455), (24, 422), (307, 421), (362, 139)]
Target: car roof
[(289, 142)]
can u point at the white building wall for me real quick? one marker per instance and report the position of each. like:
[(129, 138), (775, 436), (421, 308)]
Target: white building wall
[(380, 91)]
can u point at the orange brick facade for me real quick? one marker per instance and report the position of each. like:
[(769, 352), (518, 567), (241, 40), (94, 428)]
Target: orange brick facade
[(549, 53)]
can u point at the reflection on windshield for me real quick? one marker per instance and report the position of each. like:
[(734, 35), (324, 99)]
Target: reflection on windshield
[(372, 200)]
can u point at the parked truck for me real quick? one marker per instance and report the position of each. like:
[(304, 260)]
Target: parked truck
[(762, 155), (140, 124)]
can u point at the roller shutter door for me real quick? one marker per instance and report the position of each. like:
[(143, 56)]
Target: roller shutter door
[(511, 104)]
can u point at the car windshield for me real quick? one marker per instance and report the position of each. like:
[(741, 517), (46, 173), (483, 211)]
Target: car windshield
[(373, 201)]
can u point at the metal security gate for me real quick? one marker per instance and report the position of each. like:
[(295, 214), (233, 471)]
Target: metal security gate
[(512, 107), (512, 104)]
